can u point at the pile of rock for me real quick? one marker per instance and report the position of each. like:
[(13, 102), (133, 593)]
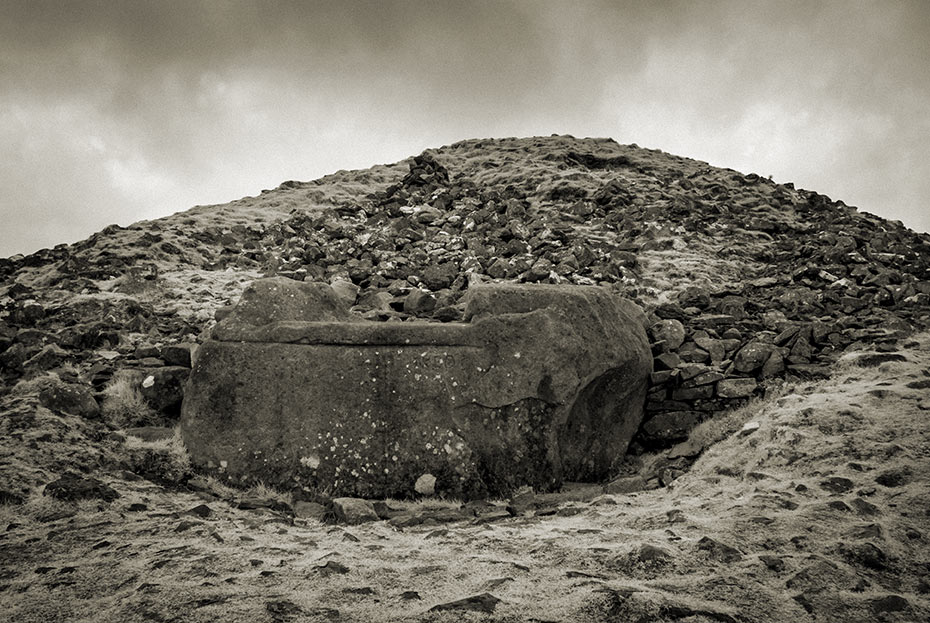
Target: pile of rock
[(714, 351), (806, 277)]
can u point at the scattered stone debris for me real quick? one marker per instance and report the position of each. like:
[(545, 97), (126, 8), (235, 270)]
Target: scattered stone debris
[(719, 551), (332, 567)]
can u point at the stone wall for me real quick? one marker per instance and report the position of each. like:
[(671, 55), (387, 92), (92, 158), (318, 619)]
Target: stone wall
[(714, 351)]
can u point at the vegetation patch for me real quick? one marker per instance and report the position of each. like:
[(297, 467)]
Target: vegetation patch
[(123, 404)]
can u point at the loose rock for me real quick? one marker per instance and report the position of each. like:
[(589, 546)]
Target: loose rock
[(485, 602), (354, 510), (72, 487)]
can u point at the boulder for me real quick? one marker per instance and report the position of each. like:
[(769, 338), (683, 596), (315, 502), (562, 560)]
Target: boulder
[(425, 484), (419, 302), (485, 602), (26, 314), (310, 510), (670, 427), (354, 510), (540, 383), (715, 348), (625, 484), (774, 366), (270, 301), (56, 395), (736, 388), (439, 276), (671, 331), (523, 501), (752, 356), (346, 290), (46, 359), (694, 296)]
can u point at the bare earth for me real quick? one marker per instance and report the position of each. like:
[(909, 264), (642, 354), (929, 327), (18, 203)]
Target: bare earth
[(787, 523)]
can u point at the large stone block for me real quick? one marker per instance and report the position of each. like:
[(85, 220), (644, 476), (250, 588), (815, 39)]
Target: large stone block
[(541, 384)]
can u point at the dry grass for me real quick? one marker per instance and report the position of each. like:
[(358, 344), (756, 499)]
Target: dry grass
[(165, 460), (33, 385), (123, 404), (665, 273), (726, 423), (261, 490), (220, 489), (42, 509), (194, 294)]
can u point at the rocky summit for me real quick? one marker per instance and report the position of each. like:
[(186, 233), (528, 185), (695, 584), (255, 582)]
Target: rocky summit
[(718, 412)]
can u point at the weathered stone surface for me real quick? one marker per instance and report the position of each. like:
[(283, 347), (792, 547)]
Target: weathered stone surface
[(177, 354), (310, 510), (671, 331), (670, 426), (425, 484), (419, 301), (354, 510), (485, 602), (752, 356), (719, 551), (627, 484), (268, 301), (71, 398), (46, 359), (346, 290), (541, 383), (736, 388)]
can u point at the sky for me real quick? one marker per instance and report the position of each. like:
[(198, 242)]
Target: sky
[(119, 111)]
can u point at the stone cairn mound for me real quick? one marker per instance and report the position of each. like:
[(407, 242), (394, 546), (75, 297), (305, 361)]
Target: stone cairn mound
[(745, 282)]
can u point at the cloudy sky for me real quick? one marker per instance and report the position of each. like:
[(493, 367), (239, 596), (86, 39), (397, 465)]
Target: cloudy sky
[(116, 111)]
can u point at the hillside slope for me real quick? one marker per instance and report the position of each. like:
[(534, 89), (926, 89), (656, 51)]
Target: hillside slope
[(756, 293), (819, 514)]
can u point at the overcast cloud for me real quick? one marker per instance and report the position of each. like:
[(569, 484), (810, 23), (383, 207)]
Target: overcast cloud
[(112, 112)]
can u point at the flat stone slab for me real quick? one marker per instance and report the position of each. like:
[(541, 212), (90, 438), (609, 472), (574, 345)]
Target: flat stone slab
[(542, 383)]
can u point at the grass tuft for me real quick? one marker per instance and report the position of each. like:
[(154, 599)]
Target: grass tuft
[(164, 461), (261, 490), (39, 508), (123, 404), (724, 424), (34, 384)]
